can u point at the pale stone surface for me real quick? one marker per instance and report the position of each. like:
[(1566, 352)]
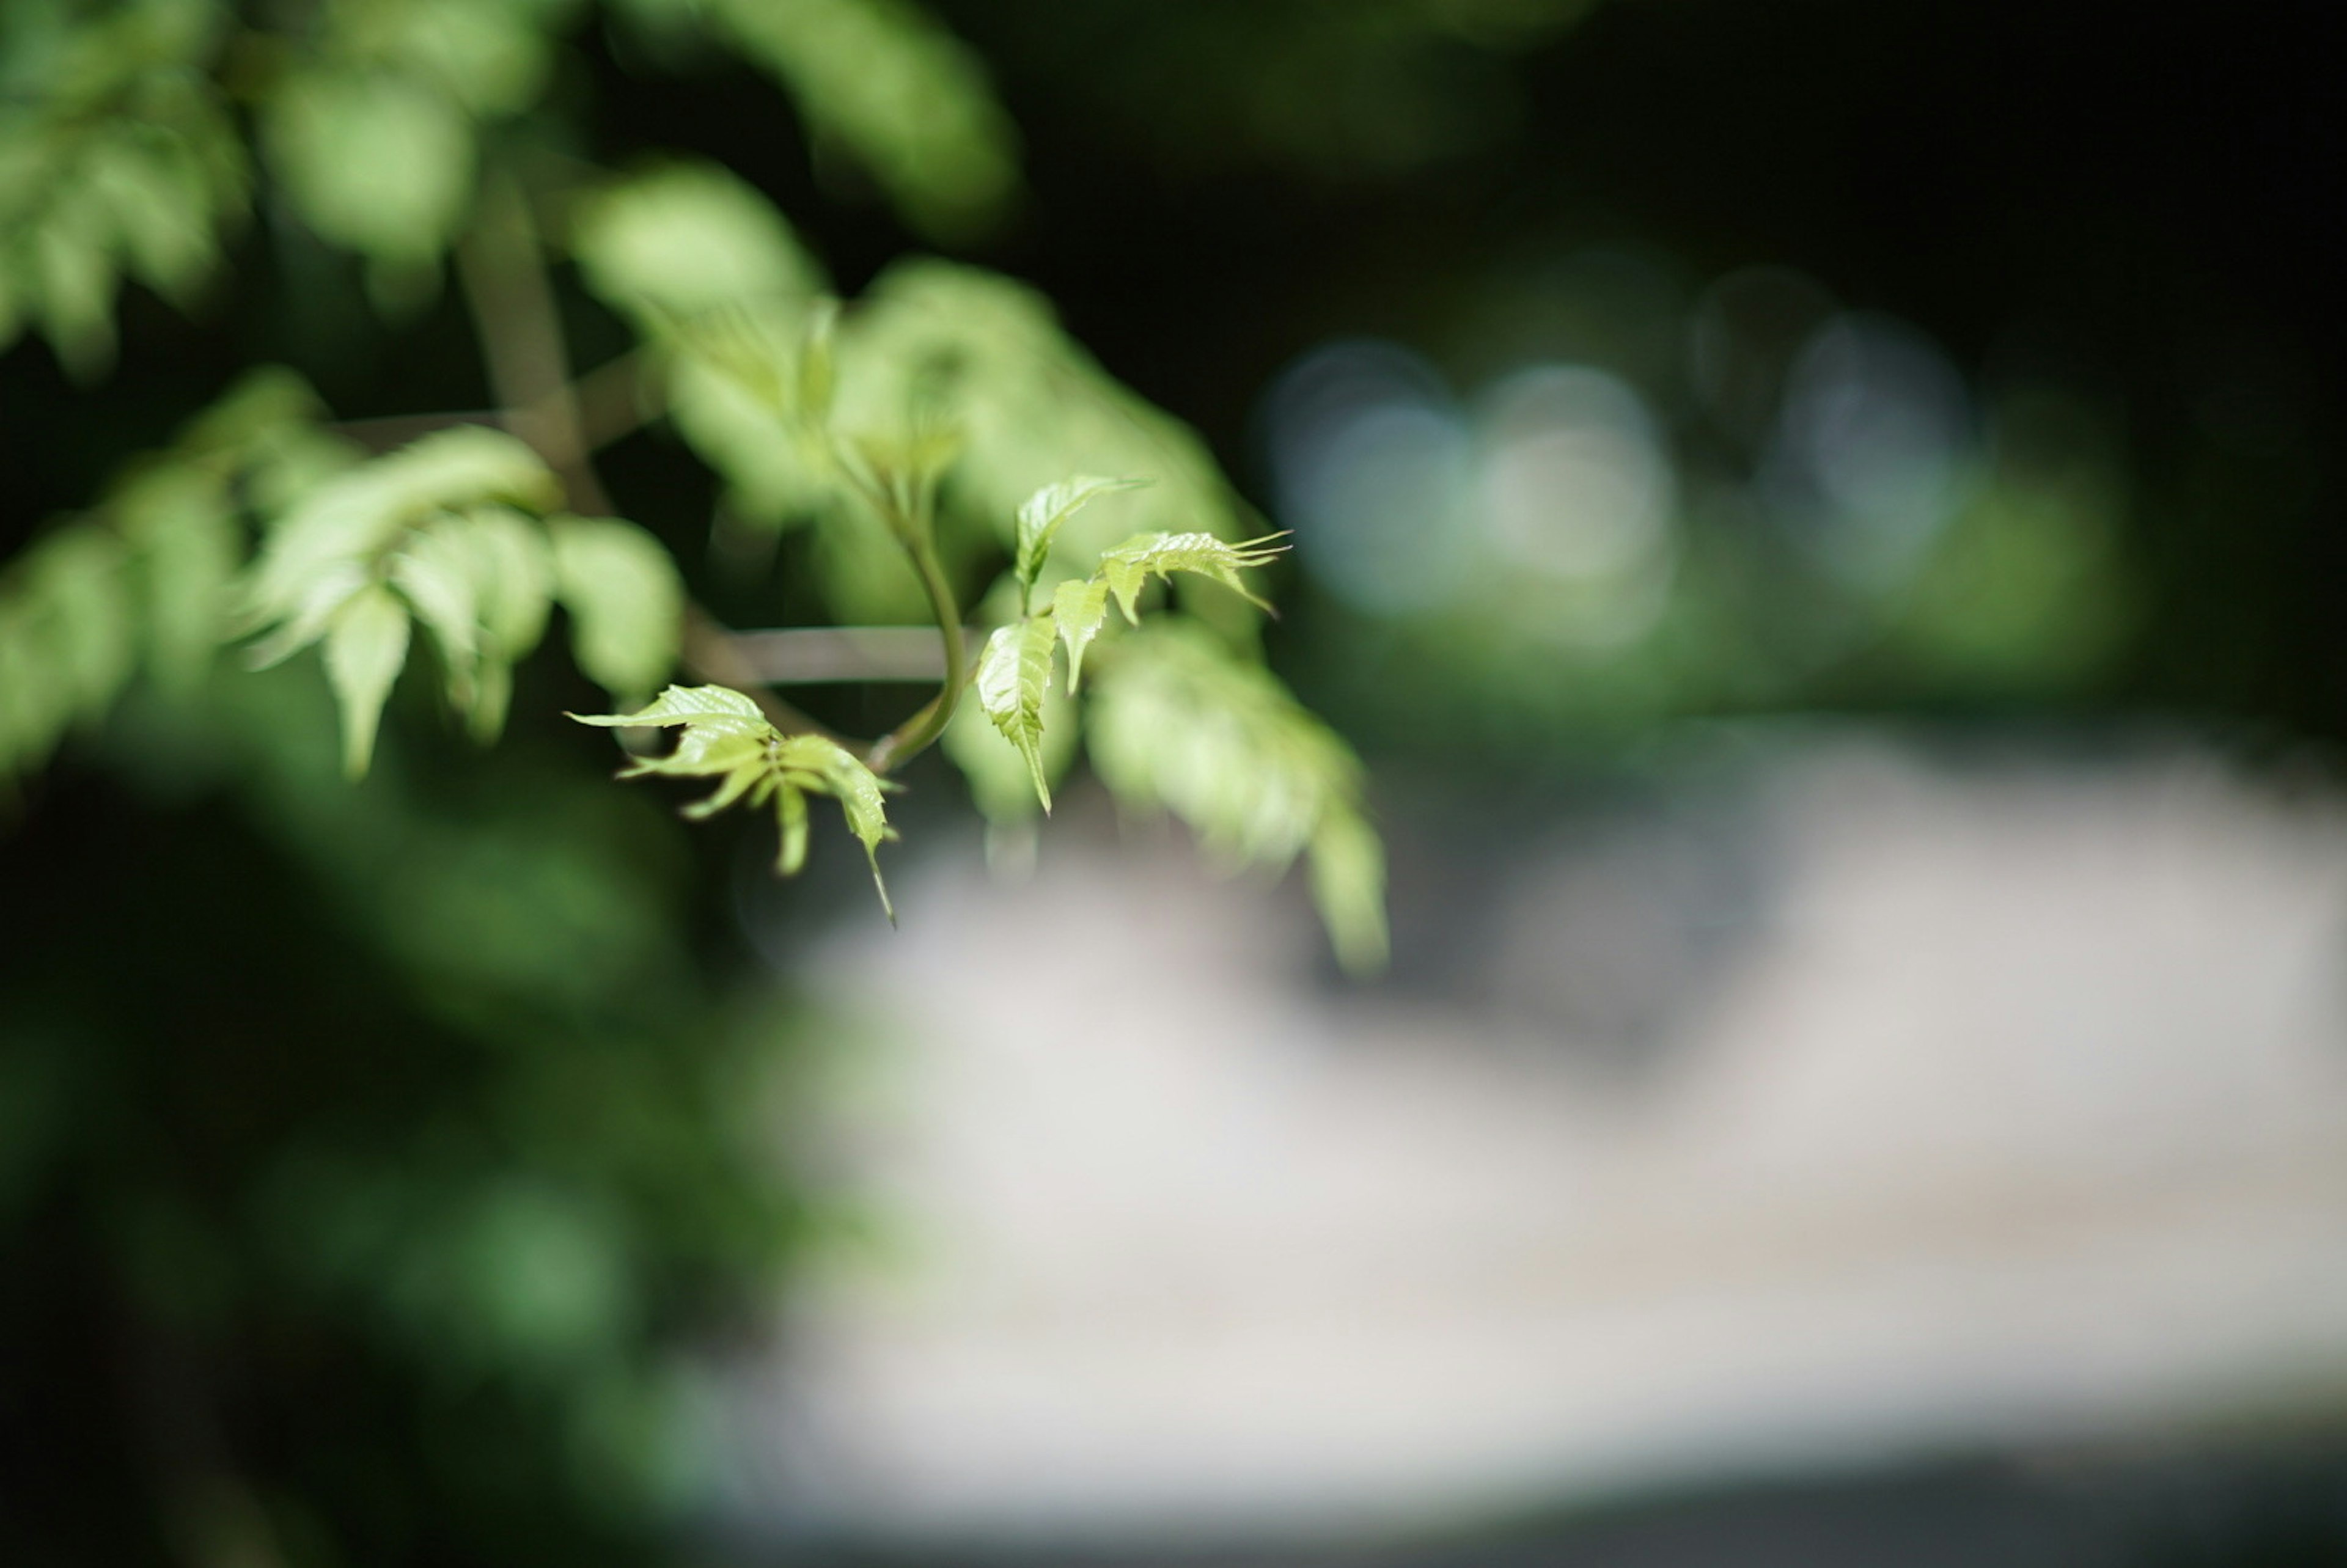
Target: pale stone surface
[(2015, 1113)]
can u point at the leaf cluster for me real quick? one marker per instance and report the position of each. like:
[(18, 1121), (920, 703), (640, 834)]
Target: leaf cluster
[(725, 736), (1014, 673), (147, 578), (458, 533), (926, 430)]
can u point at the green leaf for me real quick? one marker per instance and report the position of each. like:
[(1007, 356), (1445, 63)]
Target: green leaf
[(374, 160), (492, 695), (626, 605), (726, 737), (433, 571), (74, 276), (75, 580), (32, 709), (1013, 674), (327, 547), (513, 577), (791, 823), (686, 705), (1000, 784), (366, 644), (819, 362), (676, 243), (712, 751), (177, 517), (1079, 606), (1040, 519), (159, 208), (1349, 887), (1132, 563), (857, 789), (1179, 722)]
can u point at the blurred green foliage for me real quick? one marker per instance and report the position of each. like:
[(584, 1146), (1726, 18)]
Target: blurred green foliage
[(390, 1123)]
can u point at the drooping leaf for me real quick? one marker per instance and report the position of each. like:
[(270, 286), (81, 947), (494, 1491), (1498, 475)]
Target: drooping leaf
[(1179, 722), (155, 203), (1132, 563), (1080, 607), (1349, 887), (791, 825), (1044, 513), (366, 644), (177, 518), (31, 709), (727, 737), (324, 549), (75, 580), (433, 571), (1013, 674), (626, 605), (1000, 785), (513, 577), (73, 280), (857, 789)]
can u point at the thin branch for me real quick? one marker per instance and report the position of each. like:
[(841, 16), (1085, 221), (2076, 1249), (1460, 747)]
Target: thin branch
[(713, 654), (391, 431), (502, 268), (608, 401), (611, 400), (813, 655), (917, 733)]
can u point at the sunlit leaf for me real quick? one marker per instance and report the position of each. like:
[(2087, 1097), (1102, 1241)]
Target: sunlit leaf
[(1349, 887), (74, 277), (1044, 513), (791, 825), (332, 545), (678, 243), (1080, 607), (1012, 674), (726, 737), (686, 705), (374, 161), (1132, 563), (513, 577), (1000, 785), (434, 573), (1178, 722), (80, 576), (625, 604), (366, 645), (988, 356), (857, 788)]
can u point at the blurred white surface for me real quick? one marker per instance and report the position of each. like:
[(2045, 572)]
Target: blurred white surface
[(2016, 1114)]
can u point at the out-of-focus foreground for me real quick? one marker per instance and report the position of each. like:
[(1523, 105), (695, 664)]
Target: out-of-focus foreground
[(1825, 524)]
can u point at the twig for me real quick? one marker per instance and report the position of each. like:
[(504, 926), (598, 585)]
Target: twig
[(713, 654), (917, 733), (815, 655), (502, 269)]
